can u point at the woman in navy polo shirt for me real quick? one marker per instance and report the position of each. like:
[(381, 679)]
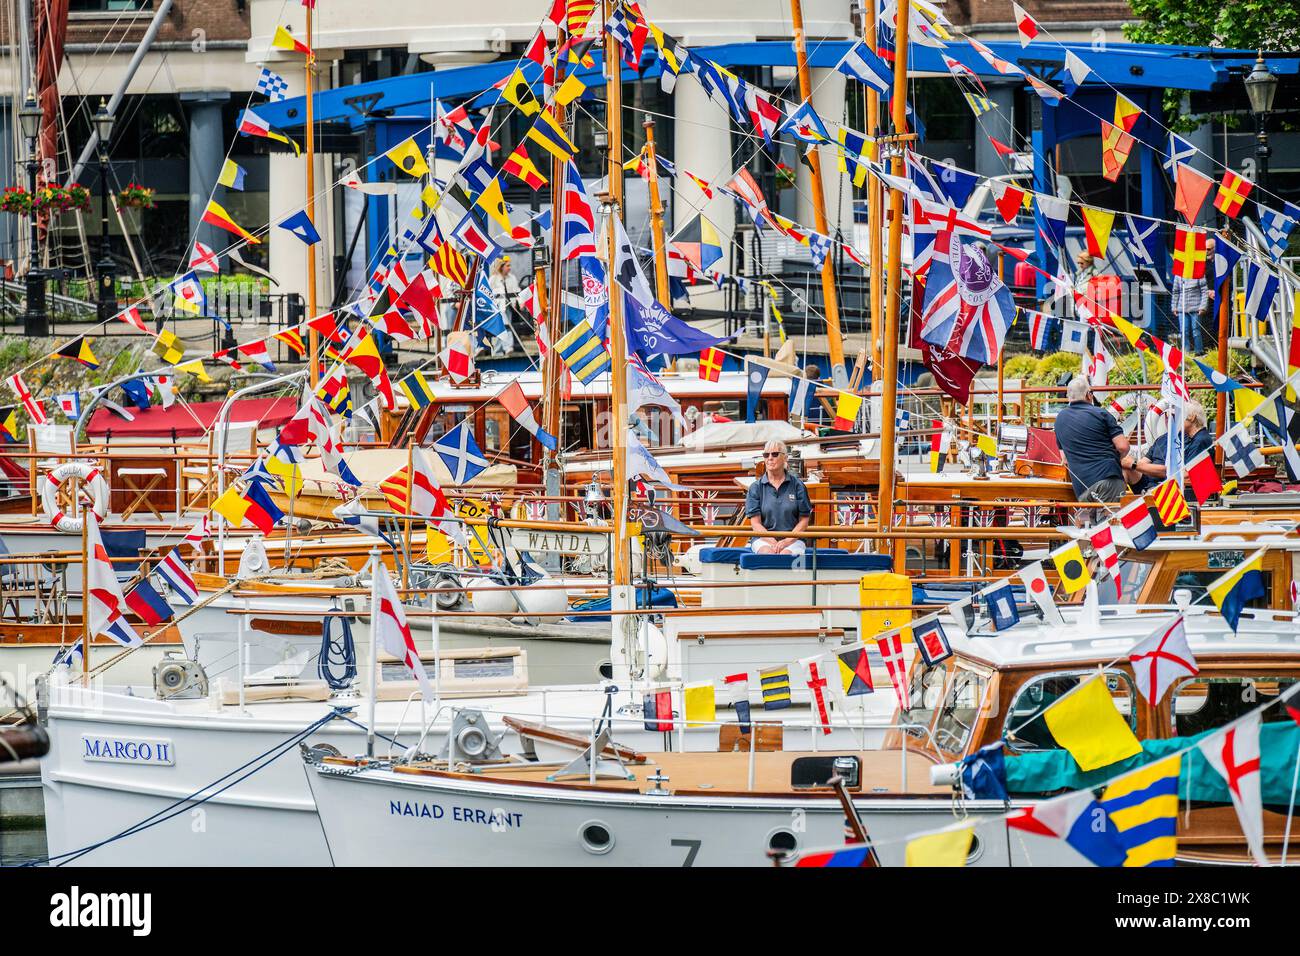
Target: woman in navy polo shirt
[(777, 503)]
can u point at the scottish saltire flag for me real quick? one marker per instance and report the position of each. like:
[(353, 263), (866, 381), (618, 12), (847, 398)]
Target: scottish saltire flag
[(1143, 242), (1261, 289), (968, 309), (578, 225), (867, 67), (1180, 151), (461, 454), (174, 571), (1277, 227), (273, 85)]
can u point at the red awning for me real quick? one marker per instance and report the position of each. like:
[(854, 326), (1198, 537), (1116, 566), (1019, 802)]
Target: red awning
[(192, 420)]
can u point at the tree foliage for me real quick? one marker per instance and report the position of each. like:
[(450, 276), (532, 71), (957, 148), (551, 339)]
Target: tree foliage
[(1234, 24)]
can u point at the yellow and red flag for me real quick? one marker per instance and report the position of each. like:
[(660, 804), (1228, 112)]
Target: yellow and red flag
[(1232, 194), (216, 215), (1189, 254), (284, 40)]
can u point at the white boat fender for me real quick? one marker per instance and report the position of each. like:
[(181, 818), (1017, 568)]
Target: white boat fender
[(496, 597), (253, 560), (91, 477), (945, 775)]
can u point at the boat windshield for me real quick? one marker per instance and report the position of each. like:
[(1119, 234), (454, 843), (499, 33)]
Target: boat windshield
[(952, 698), (1133, 575)]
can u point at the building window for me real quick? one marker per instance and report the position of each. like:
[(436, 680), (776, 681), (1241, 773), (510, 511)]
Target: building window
[(106, 6)]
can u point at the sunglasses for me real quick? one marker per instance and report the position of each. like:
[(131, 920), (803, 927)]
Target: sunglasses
[(773, 454)]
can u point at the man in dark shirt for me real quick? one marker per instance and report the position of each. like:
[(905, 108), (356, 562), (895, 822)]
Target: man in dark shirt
[(1149, 471), (777, 502), (1092, 443)]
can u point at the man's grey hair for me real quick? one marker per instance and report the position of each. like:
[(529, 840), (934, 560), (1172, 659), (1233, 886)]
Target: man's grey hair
[(776, 444), (1194, 412), (1078, 388)]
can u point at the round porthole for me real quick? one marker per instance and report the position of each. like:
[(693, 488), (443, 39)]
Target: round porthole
[(606, 670), (596, 837), (782, 841), (976, 849)]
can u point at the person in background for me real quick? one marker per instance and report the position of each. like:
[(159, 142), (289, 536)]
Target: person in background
[(1148, 471), (1192, 304), (505, 293), (1092, 444), (1088, 268), (776, 504)]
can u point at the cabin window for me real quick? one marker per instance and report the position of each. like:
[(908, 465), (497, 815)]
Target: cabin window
[(926, 692), (1198, 581), (959, 711), (1025, 729), (1207, 703)]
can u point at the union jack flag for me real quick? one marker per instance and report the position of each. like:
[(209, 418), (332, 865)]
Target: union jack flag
[(850, 510), (535, 509), (968, 309)]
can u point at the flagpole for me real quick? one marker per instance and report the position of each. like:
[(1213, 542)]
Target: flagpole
[(376, 569), (874, 209), (889, 353), (656, 215), (834, 340), (406, 530), (313, 337), (551, 371), (85, 582), (617, 333)]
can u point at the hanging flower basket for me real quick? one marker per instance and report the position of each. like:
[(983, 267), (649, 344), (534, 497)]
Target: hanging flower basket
[(57, 200), (135, 196), (16, 201)]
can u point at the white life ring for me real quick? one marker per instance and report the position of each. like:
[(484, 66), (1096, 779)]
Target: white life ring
[(91, 477)]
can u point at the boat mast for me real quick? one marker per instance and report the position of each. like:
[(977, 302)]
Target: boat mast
[(889, 347), (834, 340), (313, 337), (551, 371), (656, 215), (617, 344), (874, 208)]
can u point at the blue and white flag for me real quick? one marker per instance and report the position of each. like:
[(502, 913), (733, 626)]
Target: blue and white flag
[(351, 513), (984, 775), (643, 388), (1174, 438), (1180, 151), (461, 454), (755, 379), (651, 329), (273, 85), (300, 225), (867, 67), (1277, 227), (800, 392), (803, 123), (71, 657), (1000, 602), (642, 464), (1261, 290), (1226, 256), (1144, 241), (487, 310)]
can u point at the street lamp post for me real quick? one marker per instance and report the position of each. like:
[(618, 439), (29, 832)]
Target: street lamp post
[(103, 121), (35, 321), (1261, 86)]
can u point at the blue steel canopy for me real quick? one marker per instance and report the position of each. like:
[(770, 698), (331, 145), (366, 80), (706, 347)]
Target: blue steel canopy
[(1122, 65)]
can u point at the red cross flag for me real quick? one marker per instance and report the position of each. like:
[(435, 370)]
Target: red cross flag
[(891, 649), (1162, 658), (817, 684), (1026, 25), (1234, 754), (393, 634), (34, 408)]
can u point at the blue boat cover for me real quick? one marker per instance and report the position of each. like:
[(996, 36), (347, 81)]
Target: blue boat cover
[(660, 597), (827, 559)]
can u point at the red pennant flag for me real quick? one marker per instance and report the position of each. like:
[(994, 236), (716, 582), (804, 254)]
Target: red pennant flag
[(1190, 191), (1204, 478)]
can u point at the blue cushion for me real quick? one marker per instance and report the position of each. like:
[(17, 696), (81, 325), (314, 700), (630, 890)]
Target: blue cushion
[(855, 562), (722, 555), (786, 562)]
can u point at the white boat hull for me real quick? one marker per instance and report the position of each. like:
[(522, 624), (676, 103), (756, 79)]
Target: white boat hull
[(385, 818)]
